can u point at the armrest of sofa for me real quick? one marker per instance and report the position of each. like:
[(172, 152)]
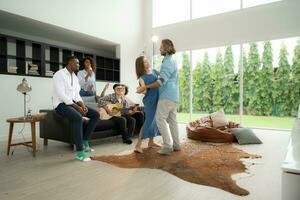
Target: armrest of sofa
[(55, 127)]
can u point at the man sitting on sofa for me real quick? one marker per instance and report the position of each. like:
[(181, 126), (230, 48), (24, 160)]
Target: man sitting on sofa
[(68, 103), (137, 115), (126, 122)]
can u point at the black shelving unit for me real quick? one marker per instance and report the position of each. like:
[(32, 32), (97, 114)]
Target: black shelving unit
[(116, 76), (3, 55), (107, 69), (100, 62), (100, 74), (116, 70), (37, 57), (109, 75), (65, 54), (88, 55), (78, 55), (54, 59), (117, 65), (20, 57), (109, 64)]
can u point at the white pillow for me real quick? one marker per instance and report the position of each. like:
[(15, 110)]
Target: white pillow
[(218, 118)]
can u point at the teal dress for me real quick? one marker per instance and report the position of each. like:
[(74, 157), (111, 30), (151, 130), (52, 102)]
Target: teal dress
[(150, 100)]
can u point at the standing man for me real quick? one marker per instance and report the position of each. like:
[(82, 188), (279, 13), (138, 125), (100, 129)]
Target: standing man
[(68, 103), (168, 97)]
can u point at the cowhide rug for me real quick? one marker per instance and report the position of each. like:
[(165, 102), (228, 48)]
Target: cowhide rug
[(201, 163)]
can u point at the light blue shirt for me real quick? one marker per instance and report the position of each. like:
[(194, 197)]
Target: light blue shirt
[(90, 81), (168, 80)]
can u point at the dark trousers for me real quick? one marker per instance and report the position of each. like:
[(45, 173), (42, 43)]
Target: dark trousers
[(139, 120), (75, 117), (130, 122), (124, 126)]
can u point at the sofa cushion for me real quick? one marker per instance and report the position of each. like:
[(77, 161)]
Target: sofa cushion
[(245, 136), (218, 119), (91, 105), (89, 99)]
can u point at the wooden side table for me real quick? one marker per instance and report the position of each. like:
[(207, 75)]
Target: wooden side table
[(35, 118)]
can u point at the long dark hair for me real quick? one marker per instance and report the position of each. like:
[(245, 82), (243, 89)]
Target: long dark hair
[(139, 67), (91, 61)]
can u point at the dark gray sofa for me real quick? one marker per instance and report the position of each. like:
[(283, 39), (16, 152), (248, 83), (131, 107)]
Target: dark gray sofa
[(55, 127)]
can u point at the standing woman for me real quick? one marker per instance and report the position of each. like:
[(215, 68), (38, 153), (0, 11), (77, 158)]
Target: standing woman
[(146, 76), (86, 77)]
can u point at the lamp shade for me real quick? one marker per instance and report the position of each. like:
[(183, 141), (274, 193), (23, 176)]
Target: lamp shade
[(154, 38), (24, 87)]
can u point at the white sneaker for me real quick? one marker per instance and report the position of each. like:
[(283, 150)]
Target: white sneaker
[(88, 149), (83, 158), (176, 147), (165, 151)]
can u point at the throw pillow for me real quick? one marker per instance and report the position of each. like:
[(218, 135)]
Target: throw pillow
[(245, 136), (218, 119)]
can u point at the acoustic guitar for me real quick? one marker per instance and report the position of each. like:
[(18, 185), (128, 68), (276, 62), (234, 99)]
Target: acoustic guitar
[(117, 110)]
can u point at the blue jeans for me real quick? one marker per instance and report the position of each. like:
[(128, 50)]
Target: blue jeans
[(75, 117), (84, 93)]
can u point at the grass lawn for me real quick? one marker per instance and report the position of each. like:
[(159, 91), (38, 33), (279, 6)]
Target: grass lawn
[(249, 120)]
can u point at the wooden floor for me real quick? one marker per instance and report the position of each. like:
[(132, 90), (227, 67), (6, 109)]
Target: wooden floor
[(55, 174)]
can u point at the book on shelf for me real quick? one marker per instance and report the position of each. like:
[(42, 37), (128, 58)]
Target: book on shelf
[(33, 72), (33, 69), (12, 69), (33, 66), (49, 73)]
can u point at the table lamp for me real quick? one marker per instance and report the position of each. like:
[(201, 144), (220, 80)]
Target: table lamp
[(24, 88)]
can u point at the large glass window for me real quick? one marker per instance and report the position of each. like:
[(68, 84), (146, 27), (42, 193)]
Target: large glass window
[(203, 8), (215, 81), (170, 11), (251, 3), (271, 83), (166, 12), (183, 63)]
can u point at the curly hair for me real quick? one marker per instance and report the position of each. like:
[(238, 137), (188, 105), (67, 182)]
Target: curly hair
[(91, 61)]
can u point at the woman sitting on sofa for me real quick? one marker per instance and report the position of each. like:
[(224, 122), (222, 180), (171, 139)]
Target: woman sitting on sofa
[(86, 77)]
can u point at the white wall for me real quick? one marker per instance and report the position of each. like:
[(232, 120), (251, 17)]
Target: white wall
[(265, 22), (119, 21)]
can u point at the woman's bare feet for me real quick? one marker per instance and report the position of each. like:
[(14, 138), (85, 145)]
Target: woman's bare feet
[(138, 149)]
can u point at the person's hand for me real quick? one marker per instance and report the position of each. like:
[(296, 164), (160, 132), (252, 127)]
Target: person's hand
[(135, 109), (84, 108), (90, 71), (90, 88), (141, 89), (80, 110), (106, 86), (109, 112)]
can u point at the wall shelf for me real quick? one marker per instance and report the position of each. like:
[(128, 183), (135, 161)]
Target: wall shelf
[(19, 56)]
